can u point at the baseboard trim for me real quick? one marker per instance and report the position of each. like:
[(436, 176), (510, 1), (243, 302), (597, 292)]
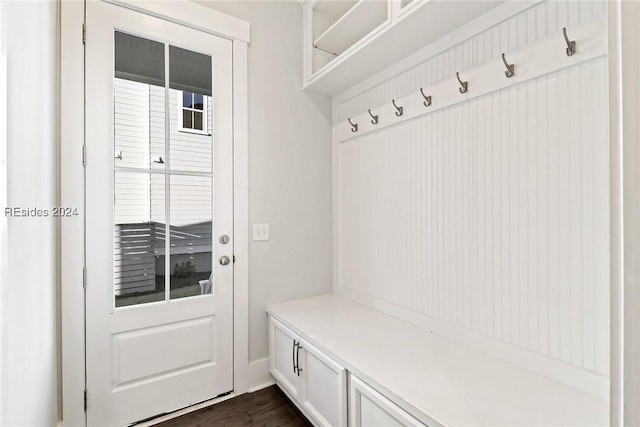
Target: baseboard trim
[(261, 386), (258, 375)]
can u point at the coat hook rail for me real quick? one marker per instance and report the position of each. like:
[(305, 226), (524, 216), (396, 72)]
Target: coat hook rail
[(354, 126), (464, 86), (375, 118), (400, 110), (571, 45), (427, 99), (510, 68)]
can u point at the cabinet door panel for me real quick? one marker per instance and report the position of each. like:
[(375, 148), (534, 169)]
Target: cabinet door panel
[(324, 388), (281, 342), (368, 408)]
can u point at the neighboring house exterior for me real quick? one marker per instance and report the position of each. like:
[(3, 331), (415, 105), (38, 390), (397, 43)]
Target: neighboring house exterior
[(139, 197)]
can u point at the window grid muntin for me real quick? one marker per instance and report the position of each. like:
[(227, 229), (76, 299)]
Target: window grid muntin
[(191, 108)]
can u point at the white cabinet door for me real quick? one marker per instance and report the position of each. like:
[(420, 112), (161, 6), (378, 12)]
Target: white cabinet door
[(368, 408), (283, 348), (324, 387)]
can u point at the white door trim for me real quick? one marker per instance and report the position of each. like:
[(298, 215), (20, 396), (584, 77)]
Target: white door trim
[(72, 188), (194, 16)]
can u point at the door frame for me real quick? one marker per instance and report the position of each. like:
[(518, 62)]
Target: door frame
[(72, 231)]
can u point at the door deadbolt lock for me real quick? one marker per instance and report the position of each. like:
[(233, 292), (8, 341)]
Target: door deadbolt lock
[(224, 260), (224, 239)]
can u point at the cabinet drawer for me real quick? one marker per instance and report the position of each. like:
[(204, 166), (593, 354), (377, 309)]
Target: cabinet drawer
[(368, 408)]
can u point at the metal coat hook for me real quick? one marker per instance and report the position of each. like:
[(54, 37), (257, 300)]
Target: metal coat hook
[(375, 118), (400, 109), (354, 126), (464, 86), (510, 68), (571, 45), (427, 99)]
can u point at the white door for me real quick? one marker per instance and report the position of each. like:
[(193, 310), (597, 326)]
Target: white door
[(159, 220)]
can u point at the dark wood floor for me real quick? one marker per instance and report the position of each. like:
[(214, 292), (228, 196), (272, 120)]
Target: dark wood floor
[(265, 408)]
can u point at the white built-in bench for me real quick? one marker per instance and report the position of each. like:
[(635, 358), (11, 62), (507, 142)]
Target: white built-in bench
[(345, 364)]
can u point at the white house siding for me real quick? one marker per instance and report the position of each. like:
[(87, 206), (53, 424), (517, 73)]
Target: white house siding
[(189, 151), (139, 213), (134, 257), (191, 214), (131, 123), (156, 125)]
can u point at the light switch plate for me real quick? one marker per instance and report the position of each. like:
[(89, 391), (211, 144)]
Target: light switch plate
[(260, 232)]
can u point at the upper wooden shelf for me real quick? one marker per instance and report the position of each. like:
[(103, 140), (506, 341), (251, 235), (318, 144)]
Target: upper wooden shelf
[(334, 9), (362, 55), (356, 23)]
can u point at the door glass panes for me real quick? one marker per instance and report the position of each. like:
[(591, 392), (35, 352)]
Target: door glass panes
[(153, 262), (138, 239), (139, 102), (191, 235), (192, 111)]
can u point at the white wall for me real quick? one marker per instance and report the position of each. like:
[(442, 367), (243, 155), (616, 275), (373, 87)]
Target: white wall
[(29, 377), (4, 248), (289, 166), (489, 220)]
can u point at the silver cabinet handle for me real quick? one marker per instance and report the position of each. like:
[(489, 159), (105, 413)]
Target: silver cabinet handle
[(224, 260), (293, 356), (224, 239)]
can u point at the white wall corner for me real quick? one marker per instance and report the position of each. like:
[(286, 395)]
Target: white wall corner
[(259, 376)]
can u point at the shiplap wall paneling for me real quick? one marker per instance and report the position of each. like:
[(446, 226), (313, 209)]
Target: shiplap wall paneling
[(491, 216)]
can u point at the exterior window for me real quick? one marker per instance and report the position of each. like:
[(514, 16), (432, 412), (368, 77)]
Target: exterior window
[(194, 112)]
